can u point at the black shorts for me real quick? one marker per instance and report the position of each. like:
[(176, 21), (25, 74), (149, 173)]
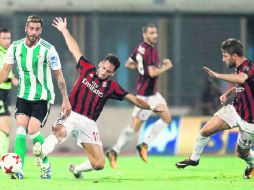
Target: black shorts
[(38, 109), (5, 102)]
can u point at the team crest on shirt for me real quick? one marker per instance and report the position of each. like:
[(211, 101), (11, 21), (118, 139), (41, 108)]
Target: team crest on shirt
[(141, 50), (247, 68), (39, 56), (104, 84)]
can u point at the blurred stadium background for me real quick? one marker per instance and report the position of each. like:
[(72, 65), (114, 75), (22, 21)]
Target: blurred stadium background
[(190, 34)]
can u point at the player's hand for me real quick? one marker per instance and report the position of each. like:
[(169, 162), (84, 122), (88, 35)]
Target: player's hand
[(66, 108), (15, 81), (223, 99), (60, 24), (159, 108), (210, 72), (167, 63)]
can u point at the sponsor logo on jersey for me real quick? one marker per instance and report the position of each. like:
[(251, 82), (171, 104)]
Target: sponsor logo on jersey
[(240, 89), (93, 87), (53, 61)]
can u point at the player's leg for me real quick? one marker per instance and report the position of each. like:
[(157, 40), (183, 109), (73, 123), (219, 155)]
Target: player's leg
[(4, 134), (95, 160), (20, 141), (39, 115), (223, 119), (5, 121), (125, 136), (214, 125), (157, 127), (43, 150), (23, 113), (243, 150), (40, 111), (89, 139), (58, 136)]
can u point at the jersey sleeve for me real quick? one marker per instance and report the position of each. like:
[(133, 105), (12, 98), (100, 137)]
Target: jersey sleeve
[(249, 70), (53, 59), (84, 64), (9, 56), (133, 55), (118, 92)]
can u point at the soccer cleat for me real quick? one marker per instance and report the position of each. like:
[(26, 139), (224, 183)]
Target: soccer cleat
[(46, 171), (142, 150), (248, 173), (76, 175), (112, 156), (18, 175), (187, 162)]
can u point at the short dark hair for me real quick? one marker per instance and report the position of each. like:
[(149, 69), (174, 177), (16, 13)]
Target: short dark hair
[(4, 30), (113, 59), (34, 19), (232, 46), (145, 27)]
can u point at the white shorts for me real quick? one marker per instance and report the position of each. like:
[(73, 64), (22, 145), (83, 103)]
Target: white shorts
[(246, 130), (151, 100), (81, 127)]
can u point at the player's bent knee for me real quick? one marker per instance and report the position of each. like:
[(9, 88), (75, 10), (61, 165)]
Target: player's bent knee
[(60, 132), (205, 132), (98, 165)]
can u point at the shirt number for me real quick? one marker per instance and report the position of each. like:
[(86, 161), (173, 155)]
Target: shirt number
[(139, 59)]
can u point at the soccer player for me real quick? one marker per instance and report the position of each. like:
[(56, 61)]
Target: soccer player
[(238, 114), (145, 59), (88, 97), (5, 87), (35, 58)]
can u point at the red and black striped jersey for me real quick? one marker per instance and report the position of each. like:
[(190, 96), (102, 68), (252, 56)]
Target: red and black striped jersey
[(244, 99), (146, 55), (89, 94)]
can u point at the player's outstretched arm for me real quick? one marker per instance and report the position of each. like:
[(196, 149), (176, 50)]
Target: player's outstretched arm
[(143, 104), (61, 25), (4, 73), (239, 78)]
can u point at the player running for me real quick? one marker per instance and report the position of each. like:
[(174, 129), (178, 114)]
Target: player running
[(35, 58), (238, 114), (146, 60)]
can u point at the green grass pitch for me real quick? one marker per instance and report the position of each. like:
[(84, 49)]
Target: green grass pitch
[(159, 173)]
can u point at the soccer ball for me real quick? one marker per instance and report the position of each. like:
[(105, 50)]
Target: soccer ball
[(11, 163)]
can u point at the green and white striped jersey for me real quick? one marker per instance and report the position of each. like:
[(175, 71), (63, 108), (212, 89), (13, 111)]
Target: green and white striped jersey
[(34, 67)]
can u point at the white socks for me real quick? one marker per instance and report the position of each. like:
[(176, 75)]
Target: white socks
[(83, 167), (125, 136), (49, 144), (198, 147), (158, 126)]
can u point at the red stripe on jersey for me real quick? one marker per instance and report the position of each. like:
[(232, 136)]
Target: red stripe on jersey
[(244, 99), (90, 94)]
